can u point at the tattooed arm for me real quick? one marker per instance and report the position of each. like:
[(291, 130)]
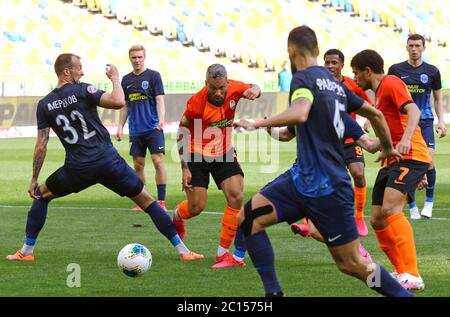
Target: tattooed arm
[(40, 150)]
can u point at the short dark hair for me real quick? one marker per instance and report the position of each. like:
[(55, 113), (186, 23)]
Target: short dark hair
[(216, 71), (368, 58), (64, 61), (304, 38), (416, 37), (335, 51)]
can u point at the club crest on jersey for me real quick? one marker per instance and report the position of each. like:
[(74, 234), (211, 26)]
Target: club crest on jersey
[(232, 104), (424, 78), (92, 89), (144, 84)]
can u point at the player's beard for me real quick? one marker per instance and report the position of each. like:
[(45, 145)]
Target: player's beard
[(216, 102)]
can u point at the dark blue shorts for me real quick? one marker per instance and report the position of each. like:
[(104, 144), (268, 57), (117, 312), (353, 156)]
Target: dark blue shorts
[(153, 141), (427, 128), (112, 171), (332, 215)]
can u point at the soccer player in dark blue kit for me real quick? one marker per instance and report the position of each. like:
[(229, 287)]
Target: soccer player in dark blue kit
[(70, 110), (422, 79), (320, 188), (145, 109)]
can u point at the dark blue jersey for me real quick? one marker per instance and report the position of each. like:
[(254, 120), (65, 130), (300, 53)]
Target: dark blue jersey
[(320, 159), (420, 81), (71, 112), (140, 94)]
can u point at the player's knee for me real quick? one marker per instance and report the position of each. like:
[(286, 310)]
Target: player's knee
[(158, 161), (196, 208), (359, 179), (235, 199), (348, 266), (139, 165)]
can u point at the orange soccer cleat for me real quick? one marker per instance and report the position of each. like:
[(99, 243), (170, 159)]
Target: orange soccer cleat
[(18, 256)]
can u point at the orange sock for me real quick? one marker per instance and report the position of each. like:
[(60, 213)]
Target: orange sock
[(183, 210), (229, 227), (387, 242), (360, 201), (405, 241)]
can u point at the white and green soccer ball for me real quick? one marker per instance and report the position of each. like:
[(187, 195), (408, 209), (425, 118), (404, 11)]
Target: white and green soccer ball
[(134, 259)]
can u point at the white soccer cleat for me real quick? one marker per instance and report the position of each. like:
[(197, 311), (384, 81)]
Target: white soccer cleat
[(427, 210), (411, 282), (414, 213)]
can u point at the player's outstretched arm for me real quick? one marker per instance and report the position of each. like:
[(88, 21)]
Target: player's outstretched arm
[(371, 145), (40, 151), (281, 134), (115, 99)]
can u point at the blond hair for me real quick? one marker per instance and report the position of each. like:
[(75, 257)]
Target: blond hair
[(135, 48)]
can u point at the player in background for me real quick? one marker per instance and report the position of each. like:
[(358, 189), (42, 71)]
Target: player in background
[(205, 147), (395, 178), (320, 188), (421, 79), (70, 110), (354, 156), (144, 93)]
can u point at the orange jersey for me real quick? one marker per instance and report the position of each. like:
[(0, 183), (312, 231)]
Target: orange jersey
[(353, 86), (211, 127), (391, 96)]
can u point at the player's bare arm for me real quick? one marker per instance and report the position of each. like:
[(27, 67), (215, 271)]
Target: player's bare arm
[(281, 134), (381, 130), (439, 108), (161, 109), (115, 99), (252, 93), (297, 113), (413, 120), (123, 116), (40, 151), (182, 143), (371, 145)]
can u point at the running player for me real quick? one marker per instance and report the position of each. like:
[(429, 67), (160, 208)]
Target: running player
[(422, 78), (144, 93), (320, 188), (395, 179), (204, 141), (70, 110), (354, 157)]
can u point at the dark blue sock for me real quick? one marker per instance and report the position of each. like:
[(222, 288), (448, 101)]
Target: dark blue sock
[(161, 191), (162, 220), (412, 199), (261, 252), (385, 284), (36, 217), (239, 244), (431, 178)]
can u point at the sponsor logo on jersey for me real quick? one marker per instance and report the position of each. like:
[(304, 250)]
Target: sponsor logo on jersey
[(222, 123), (144, 84), (232, 104)]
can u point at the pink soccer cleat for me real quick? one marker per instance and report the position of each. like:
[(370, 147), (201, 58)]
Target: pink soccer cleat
[(361, 226), (411, 282), (162, 203), (226, 260), (301, 229), (364, 253)]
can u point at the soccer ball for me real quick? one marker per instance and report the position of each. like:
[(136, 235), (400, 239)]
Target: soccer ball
[(134, 259)]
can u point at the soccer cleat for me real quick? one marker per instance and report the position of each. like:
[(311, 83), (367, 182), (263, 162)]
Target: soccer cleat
[(414, 213), (179, 224), (191, 256), (364, 253), (162, 203), (395, 275), (226, 260), (18, 256), (361, 226), (411, 282), (301, 229), (137, 208), (427, 209)]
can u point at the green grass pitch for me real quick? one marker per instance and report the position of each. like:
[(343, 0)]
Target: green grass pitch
[(89, 229)]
